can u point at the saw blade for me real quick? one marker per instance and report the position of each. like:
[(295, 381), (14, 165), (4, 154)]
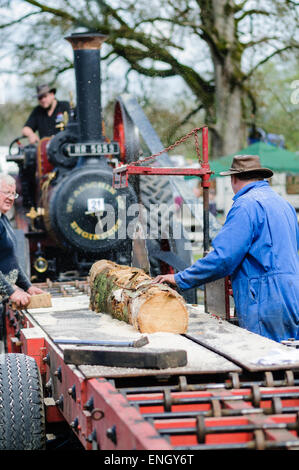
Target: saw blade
[(140, 257)]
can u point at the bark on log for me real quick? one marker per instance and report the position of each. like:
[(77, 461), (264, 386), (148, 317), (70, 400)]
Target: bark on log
[(127, 294)]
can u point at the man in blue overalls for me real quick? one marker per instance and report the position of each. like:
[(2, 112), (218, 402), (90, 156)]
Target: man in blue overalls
[(258, 247)]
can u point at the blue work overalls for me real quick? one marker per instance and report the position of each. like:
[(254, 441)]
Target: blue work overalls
[(258, 247)]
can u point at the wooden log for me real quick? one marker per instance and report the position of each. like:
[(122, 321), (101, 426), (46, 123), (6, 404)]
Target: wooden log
[(128, 294), (40, 301), (37, 301)]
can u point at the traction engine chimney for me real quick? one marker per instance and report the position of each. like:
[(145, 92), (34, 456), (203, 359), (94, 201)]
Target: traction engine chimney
[(86, 48)]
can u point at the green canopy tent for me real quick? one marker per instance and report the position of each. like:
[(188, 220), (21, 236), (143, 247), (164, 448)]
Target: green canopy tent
[(275, 158)]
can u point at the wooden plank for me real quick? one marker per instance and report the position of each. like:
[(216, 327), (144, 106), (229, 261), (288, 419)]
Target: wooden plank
[(123, 357), (249, 350), (40, 301), (60, 304)]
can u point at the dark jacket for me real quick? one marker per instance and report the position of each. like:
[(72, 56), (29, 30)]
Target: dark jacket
[(44, 124), (10, 270)]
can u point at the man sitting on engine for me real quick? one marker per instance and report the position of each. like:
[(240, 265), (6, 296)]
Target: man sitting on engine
[(47, 116)]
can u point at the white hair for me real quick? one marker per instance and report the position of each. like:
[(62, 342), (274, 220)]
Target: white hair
[(8, 179)]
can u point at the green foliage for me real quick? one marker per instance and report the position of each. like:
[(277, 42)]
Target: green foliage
[(276, 112), (12, 119)]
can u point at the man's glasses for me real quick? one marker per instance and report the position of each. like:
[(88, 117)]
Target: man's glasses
[(9, 194)]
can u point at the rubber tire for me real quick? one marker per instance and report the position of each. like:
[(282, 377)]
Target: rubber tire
[(22, 417)]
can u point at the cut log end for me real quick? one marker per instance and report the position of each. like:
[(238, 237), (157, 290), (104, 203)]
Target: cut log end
[(164, 313)]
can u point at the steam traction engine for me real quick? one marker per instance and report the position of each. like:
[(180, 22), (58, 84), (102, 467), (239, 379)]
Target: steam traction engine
[(69, 211), (73, 215)]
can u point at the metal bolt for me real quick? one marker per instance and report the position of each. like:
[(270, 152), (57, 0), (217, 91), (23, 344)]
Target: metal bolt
[(72, 392), (58, 374), (46, 359), (111, 434), (92, 437), (48, 385), (89, 404), (75, 424), (59, 402)]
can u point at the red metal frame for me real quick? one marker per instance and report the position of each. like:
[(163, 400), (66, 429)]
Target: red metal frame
[(121, 173), (119, 131), (121, 177), (71, 392), (224, 430), (228, 293)]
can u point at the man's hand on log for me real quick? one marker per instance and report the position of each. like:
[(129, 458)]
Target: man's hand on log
[(164, 278), (20, 298), (34, 290)]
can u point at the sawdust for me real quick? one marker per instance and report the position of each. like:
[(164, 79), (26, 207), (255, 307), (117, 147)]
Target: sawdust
[(120, 330)]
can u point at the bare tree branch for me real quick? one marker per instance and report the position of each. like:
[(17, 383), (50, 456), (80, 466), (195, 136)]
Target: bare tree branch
[(251, 12), (260, 41), (266, 59), (22, 18), (151, 41), (54, 11), (184, 121), (200, 87)]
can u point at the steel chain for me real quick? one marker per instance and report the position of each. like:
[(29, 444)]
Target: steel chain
[(172, 146)]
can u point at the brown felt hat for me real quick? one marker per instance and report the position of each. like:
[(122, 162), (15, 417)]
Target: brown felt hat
[(247, 164), (43, 89)]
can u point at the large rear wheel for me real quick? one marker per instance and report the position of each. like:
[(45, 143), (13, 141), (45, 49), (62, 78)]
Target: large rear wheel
[(22, 418)]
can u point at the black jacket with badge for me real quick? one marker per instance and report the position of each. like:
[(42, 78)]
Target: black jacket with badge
[(46, 125)]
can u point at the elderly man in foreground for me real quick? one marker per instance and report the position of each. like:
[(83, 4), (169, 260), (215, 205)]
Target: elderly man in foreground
[(258, 247), (14, 284)]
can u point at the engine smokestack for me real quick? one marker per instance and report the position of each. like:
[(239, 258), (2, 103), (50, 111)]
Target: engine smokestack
[(87, 63)]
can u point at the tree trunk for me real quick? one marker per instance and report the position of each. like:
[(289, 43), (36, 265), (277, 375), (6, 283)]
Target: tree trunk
[(227, 114), (128, 295), (229, 134)]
